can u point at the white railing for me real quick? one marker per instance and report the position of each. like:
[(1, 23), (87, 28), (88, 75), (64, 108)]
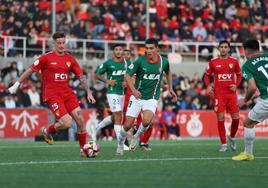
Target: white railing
[(86, 49)]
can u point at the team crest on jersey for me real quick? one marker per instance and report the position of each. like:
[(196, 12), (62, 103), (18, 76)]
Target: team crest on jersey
[(68, 63), (231, 65), (131, 66), (36, 62)]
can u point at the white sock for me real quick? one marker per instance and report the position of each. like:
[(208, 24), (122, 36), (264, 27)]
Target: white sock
[(117, 129), (140, 131), (105, 122), (122, 136), (249, 136)]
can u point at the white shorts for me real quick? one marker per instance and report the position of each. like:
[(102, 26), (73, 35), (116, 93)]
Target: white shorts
[(260, 111), (136, 105), (116, 102)]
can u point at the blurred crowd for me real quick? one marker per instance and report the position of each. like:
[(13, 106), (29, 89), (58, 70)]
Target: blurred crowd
[(170, 20)]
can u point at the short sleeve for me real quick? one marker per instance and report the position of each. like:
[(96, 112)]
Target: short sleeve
[(246, 73), (75, 68), (167, 67), (133, 67), (209, 70), (39, 63), (102, 68)]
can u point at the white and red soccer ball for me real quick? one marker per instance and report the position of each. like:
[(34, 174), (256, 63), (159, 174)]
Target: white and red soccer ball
[(91, 149)]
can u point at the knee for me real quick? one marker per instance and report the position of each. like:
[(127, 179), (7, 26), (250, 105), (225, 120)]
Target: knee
[(146, 122)]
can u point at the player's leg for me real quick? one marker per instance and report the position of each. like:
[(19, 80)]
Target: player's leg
[(149, 108), (219, 108), (104, 123), (116, 106), (234, 128), (134, 108), (72, 106), (256, 115), (64, 120), (233, 108), (144, 139)]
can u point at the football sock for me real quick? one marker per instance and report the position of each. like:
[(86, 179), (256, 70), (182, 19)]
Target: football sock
[(117, 129), (138, 121), (222, 132), (82, 138), (105, 122), (234, 127), (122, 136), (51, 129), (249, 136), (140, 131), (146, 136)]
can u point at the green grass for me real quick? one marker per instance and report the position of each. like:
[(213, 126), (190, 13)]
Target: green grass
[(186, 163)]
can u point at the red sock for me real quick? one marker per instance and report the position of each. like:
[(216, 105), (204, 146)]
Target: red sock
[(82, 138), (144, 138), (234, 127), (51, 129), (222, 132), (138, 121)]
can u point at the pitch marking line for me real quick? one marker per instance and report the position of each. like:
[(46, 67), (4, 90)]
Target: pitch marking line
[(75, 145), (117, 161)]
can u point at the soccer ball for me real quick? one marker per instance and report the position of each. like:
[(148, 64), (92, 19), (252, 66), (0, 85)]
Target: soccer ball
[(91, 149)]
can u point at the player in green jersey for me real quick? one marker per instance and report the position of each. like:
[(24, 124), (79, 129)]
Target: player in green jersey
[(145, 94), (255, 72), (115, 69)]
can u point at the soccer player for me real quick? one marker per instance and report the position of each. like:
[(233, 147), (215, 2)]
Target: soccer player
[(144, 138), (225, 68), (115, 69), (55, 67), (149, 70), (255, 72)]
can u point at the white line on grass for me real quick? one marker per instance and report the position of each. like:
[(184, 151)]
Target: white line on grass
[(116, 160), (76, 145)]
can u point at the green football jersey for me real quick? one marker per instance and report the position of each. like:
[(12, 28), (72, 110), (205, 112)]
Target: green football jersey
[(115, 71), (257, 67), (148, 76)]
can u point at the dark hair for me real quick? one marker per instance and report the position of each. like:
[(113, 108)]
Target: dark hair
[(117, 45), (224, 42), (152, 41), (58, 35), (251, 44)]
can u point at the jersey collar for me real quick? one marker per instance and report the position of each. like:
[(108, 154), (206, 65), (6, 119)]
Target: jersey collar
[(115, 60), (153, 62)]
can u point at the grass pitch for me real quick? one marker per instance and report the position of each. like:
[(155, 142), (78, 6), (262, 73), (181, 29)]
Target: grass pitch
[(186, 163)]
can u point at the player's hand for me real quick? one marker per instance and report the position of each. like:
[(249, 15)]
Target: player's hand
[(136, 94), (124, 84), (90, 97), (232, 87), (13, 89), (173, 94), (210, 92), (241, 102), (111, 82)]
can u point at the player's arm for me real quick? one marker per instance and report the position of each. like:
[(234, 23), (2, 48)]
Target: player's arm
[(84, 85), (169, 80), (238, 77), (252, 87), (207, 75), (13, 89), (131, 70), (99, 75)]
